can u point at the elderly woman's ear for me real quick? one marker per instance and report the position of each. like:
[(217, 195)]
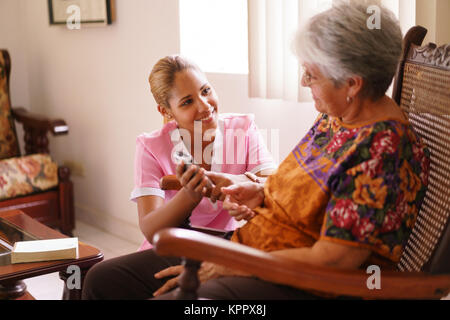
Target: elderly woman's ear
[(355, 85)]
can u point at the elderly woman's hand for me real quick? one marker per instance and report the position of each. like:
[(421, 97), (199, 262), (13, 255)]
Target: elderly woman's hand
[(241, 198)]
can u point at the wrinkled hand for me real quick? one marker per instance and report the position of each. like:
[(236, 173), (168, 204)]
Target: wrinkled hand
[(210, 271), (241, 198), (194, 181), (206, 272)]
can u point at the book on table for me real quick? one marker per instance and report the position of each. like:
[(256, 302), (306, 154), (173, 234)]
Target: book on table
[(44, 250)]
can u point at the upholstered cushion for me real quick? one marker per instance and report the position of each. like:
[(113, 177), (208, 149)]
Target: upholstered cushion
[(9, 146), (25, 175)]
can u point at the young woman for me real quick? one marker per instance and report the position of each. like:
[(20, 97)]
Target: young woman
[(190, 104)]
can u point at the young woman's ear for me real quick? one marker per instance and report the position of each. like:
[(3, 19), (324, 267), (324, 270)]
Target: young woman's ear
[(165, 113)]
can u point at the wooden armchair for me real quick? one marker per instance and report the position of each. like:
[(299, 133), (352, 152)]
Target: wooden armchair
[(422, 87), (21, 177)]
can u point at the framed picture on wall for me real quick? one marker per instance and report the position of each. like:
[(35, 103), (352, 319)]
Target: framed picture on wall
[(81, 12)]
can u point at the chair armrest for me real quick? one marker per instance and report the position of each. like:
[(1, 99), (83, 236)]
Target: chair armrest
[(394, 285), (39, 122), (35, 127)]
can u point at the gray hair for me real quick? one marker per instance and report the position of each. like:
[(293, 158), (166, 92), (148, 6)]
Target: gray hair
[(340, 43)]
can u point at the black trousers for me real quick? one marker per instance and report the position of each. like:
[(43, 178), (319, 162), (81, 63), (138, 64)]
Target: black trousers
[(131, 277)]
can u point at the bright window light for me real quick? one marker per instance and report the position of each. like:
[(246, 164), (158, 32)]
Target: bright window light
[(392, 5), (213, 33)]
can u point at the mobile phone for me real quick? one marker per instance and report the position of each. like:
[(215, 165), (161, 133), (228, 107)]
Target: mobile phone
[(185, 158), (188, 162)]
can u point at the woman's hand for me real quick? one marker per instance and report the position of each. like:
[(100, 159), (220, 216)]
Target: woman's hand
[(241, 198), (206, 272), (220, 180), (209, 270), (193, 180)]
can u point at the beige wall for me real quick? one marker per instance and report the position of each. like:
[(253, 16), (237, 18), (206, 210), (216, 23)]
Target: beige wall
[(442, 21), (435, 16), (426, 17), (11, 37)]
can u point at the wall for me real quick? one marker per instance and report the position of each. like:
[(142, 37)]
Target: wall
[(426, 17), (443, 21), (11, 37), (435, 16)]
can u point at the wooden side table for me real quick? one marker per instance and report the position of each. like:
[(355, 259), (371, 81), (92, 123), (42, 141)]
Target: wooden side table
[(22, 227)]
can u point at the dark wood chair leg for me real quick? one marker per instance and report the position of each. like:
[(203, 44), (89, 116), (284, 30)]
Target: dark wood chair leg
[(67, 218), (188, 283)]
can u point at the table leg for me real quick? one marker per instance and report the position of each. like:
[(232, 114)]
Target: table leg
[(12, 289)]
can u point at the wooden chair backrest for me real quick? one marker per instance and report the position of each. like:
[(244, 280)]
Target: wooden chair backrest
[(422, 89)]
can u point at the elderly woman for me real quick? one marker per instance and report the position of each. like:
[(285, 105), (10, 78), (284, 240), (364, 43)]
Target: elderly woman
[(348, 194)]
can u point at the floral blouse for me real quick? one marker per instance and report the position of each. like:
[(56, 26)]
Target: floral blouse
[(376, 197), (359, 185)]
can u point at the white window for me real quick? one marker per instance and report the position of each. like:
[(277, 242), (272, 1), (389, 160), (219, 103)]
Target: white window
[(214, 34)]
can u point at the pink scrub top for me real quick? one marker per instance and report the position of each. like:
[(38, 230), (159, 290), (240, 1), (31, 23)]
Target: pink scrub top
[(238, 147)]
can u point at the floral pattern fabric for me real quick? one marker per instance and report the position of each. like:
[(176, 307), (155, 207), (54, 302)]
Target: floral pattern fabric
[(9, 146), (379, 186), (25, 175)]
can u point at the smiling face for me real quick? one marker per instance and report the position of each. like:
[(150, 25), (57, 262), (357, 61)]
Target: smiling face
[(193, 98)]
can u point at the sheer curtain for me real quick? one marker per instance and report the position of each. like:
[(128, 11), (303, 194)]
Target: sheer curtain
[(273, 69)]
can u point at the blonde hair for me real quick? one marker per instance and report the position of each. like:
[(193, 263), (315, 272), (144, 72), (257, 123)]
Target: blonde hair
[(162, 77)]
